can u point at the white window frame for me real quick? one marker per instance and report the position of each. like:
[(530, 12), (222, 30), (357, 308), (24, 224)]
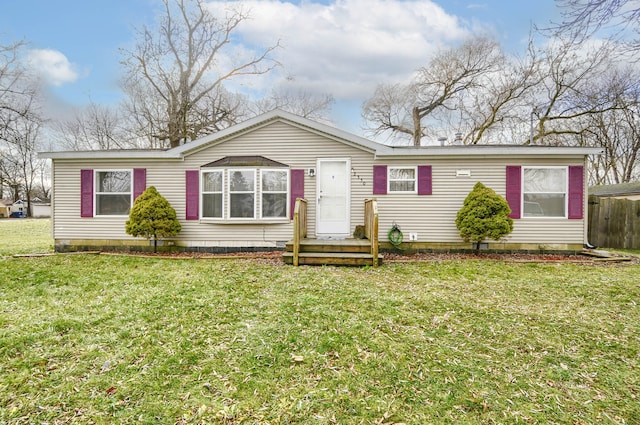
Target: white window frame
[(287, 192), (414, 180), (96, 193), (203, 192), (255, 192), (566, 192)]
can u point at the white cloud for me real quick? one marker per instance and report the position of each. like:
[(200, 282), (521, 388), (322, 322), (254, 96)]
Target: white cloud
[(347, 47), (52, 65)]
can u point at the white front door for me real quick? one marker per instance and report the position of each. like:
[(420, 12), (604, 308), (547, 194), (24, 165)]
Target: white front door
[(334, 188)]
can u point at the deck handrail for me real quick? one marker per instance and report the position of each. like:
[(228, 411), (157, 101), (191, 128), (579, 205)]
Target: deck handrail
[(371, 226), (299, 227)]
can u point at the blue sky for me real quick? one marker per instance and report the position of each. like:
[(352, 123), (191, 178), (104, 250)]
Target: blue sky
[(341, 47)]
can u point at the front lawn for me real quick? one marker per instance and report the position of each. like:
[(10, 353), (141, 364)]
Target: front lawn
[(114, 339)]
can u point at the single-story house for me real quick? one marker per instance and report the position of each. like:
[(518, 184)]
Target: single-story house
[(236, 189)]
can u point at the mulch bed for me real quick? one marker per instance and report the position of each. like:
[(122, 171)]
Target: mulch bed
[(276, 257)]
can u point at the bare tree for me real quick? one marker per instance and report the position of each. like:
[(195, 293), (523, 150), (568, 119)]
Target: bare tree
[(305, 104), (20, 157), (94, 127), (438, 86), (583, 18), (575, 81), (19, 122), (175, 72)]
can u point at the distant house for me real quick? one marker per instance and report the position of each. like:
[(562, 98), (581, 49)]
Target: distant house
[(236, 189), (5, 208)]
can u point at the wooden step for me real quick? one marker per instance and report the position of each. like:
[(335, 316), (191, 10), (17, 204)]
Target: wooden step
[(332, 258), (362, 246)]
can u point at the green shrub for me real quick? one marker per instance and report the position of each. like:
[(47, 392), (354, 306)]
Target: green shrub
[(152, 217), (485, 214)]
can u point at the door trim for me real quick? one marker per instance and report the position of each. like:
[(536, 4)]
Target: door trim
[(347, 223)]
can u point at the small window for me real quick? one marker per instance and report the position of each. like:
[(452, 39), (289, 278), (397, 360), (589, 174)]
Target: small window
[(544, 192), (212, 199), (113, 192), (242, 193), (274, 193), (402, 179)]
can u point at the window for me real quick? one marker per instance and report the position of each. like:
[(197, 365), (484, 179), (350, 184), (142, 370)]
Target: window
[(212, 199), (113, 192), (242, 196), (274, 193), (402, 179), (544, 192)]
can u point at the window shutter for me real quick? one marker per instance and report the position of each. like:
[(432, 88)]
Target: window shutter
[(192, 178), (86, 193), (297, 189), (424, 180), (139, 181), (514, 190), (379, 179), (576, 192)]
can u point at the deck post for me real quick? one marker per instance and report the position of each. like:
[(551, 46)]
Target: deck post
[(371, 227), (299, 227)]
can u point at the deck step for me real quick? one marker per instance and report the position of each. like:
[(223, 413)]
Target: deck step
[(362, 246), (332, 258)]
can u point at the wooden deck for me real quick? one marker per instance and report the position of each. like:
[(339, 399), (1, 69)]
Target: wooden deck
[(346, 252)]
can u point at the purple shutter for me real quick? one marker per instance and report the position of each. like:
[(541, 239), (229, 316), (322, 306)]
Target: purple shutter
[(514, 190), (379, 179), (86, 193), (297, 188), (576, 192), (424, 180), (139, 181), (192, 178)]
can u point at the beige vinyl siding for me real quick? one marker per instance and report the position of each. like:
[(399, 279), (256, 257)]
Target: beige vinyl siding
[(280, 142), (432, 217)]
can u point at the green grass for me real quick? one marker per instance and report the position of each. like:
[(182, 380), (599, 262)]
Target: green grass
[(25, 236), (114, 339)]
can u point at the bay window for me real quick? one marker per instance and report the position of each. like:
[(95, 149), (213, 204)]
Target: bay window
[(212, 190), (274, 193), (242, 193)]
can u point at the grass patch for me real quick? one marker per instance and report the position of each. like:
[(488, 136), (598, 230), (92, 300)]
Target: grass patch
[(25, 236), (104, 339), (117, 339)]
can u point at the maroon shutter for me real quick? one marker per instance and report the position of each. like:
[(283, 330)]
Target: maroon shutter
[(379, 179), (86, 193), (297, 188), (193, 194), (576, 192), (139, 181), (514, 190), (424, 180)]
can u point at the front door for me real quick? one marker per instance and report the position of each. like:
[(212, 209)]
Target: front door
[(333, 192)]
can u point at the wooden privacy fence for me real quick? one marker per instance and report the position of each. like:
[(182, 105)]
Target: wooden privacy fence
[(614, 223)]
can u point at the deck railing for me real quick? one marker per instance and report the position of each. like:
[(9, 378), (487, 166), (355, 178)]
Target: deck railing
[(371, 226), (299, 227)]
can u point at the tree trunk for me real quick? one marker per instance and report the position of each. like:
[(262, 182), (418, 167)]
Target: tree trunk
[(417, 127)]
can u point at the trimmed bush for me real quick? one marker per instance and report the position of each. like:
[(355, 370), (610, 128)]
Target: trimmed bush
[(152, 217), (484, 214)]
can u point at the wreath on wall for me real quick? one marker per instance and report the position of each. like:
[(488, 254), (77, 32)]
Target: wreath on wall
[(395, 235)]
